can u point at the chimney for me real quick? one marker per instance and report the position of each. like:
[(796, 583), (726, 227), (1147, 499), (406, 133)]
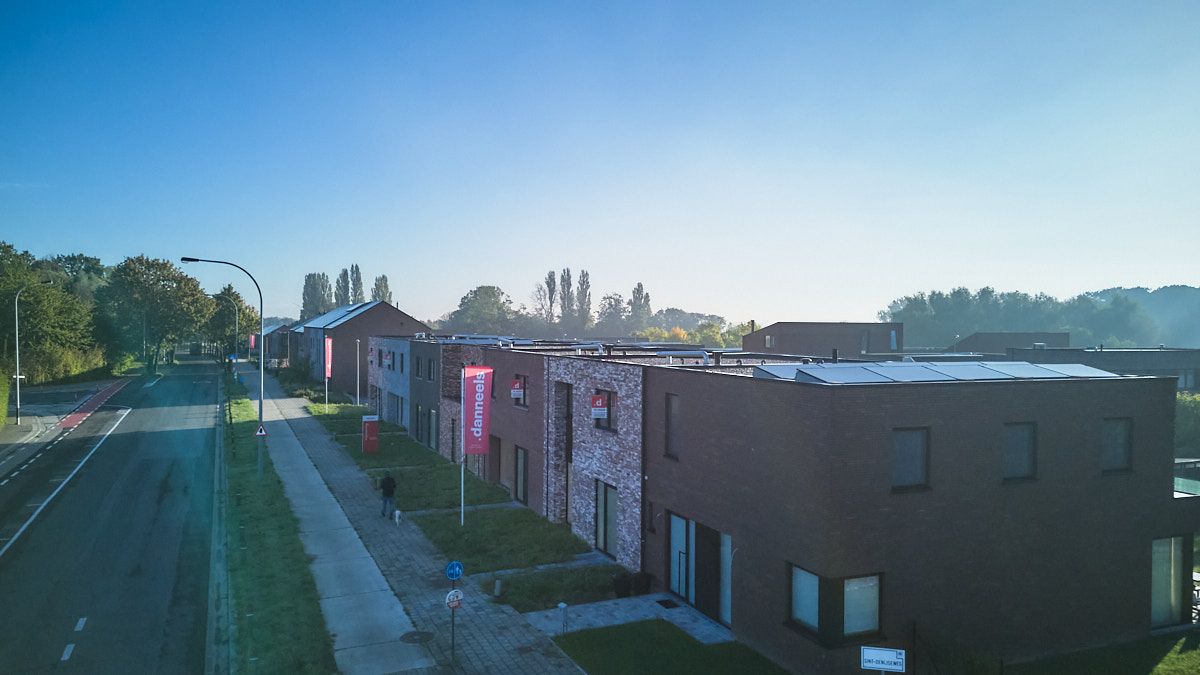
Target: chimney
[(751, 325), (835, 355)]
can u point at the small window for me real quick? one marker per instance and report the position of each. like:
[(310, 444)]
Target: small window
[(805, 598), (420, 423), (417, 367), (672, 426), (520, 390), (910, 458), (609, 421), (1115, 446), (770, 341), (1020, 451), (860, 605), (402, 362)]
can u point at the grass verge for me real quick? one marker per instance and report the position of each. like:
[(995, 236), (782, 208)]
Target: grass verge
[(1163, 655), (544, 590), (268, 567), (500, 539), (659, 647)]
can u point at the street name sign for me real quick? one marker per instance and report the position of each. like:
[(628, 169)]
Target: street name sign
[(883, 660)]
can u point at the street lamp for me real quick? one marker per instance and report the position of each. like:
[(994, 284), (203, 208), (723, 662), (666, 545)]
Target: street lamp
[(357, 400), (17, 344), (262, 361)]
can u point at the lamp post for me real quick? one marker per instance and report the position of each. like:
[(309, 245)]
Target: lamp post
[(17, 345), (262, 362), (357, 400)]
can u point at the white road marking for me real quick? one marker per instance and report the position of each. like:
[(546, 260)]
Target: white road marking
[(4, 482), (37, 455), (80, 623), (15, 473), (151, 384), (27, 523), (67, 652)]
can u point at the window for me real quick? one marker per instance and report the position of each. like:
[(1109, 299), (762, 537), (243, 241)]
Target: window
[(609, 422), (805, 597), (434, 436), (520, 395), (1019, 455), (672, 411), (606, 517), (420, 423), (521, 474), (860, 605), (417, 367), (770, 341), (1115, 451), (910, 458), (401, 362), (649, 516), (1166, 582)]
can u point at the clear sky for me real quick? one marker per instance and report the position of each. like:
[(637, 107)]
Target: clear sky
[(790, 161)]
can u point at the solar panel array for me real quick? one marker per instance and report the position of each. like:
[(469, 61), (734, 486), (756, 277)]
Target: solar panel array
[(927, 371)]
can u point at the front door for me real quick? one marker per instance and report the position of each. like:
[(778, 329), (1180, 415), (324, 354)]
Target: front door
[(520, 476), (701, 565)]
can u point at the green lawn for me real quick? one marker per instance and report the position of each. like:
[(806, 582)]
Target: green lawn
[(270, 576), (1163, 655), (499, 539), (544, 590), (658, 647), (437, 486)]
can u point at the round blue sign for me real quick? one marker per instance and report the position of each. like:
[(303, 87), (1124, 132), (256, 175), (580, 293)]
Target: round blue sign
[(454, 570)]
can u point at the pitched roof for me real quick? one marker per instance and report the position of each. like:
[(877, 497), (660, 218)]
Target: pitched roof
[(335, 316)]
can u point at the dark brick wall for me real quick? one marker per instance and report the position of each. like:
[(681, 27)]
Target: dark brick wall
[(820, 339), (519, 426), (425, 393), (800, 474)]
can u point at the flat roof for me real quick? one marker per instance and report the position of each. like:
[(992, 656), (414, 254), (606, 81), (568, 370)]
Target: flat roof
[(884, 372)]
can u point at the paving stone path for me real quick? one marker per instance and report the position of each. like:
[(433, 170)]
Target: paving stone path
[(490, 638)]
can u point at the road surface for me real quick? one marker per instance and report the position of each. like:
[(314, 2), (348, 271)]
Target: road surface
[(111, 575)]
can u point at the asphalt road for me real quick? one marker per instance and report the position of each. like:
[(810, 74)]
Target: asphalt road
[(112, 574)]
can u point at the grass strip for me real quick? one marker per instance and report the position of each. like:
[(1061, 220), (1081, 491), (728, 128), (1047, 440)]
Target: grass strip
[(545, 589), (657, 646), (268, 568), (500, 539), (1162, 655)]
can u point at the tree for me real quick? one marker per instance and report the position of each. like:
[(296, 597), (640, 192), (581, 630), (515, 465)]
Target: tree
[(551, 292), (583, 302), (485, 309), (152, 302), (639, 308), (1187, 425), (380, 290), (220, 326), (566, 301), (708, 334), (341, 292), (317, 297), (356, 286), (652, 334), (732, 335), (611, 318)]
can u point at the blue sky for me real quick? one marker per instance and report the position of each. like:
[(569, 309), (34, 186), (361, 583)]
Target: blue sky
[(772, 161)]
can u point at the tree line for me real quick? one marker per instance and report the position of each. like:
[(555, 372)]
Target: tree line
[(562, 307), (79, 315), (319, 296)]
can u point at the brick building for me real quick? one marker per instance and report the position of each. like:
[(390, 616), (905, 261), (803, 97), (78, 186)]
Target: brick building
[(1015, 513), (388, 366), (999, 342), (346, 325), (819, 338)]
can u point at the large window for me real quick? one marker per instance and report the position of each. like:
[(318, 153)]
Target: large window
[(1116, 448), (805, 598), (672, 425), (860, 605), (1166, 582), (910, 458), (1019, 454), (606, 517)]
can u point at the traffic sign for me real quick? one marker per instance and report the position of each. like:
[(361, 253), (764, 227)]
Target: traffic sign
[(454, 570), (454, 599), (882, 660), (261, 431)]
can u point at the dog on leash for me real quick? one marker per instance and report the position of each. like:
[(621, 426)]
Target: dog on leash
[(397, 516)]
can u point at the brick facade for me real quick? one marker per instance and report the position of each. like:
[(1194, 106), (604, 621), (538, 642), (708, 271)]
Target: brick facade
[(821, 338)]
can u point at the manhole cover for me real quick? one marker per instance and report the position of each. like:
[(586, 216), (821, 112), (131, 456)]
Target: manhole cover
[(669, 604), (416, 636)]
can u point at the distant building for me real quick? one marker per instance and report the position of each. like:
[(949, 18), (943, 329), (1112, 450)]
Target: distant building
[(815, 338), (999, 342), (277, 346), (346, 325), (1181, 364)]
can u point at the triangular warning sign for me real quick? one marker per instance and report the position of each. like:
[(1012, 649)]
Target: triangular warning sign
[(261, 431)]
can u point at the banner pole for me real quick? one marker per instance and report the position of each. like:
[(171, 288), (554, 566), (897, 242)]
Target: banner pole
[(462, 454)]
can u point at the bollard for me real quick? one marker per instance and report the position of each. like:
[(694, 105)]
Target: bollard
[(497, 588), (563, 607)]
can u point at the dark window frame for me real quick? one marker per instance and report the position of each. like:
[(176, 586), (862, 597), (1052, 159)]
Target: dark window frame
[(1128, 468), (609, 423), (914, 487), (522, 402), (814, 631), (1033, 454), (520, 475)]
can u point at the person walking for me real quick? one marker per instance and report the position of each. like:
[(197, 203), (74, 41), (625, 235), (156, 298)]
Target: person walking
[(387, 489)]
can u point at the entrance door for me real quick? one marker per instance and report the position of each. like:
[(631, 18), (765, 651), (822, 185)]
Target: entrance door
[(606, 518), (701, 565), (521, 476)]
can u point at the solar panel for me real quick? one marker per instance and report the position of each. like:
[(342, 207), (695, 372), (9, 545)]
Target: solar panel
[(968, 371), (850, 374), (1077, 370), (909, 372), (1022, 370)]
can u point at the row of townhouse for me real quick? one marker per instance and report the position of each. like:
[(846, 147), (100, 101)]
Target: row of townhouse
[(1009, 509)]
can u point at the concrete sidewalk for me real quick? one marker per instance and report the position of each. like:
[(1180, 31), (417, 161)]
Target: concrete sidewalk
[(362, 614), (490, 638)]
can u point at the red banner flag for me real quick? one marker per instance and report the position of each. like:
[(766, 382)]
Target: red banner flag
[(252, 336), (328, 357), (476, 409)]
